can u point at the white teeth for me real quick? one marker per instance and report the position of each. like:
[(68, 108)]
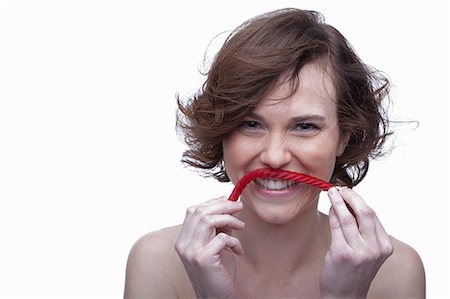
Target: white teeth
[(275, 184)]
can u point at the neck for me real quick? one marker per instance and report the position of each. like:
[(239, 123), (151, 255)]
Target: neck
[(284, 247)]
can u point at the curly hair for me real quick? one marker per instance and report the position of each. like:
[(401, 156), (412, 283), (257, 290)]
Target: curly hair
[(249, 65)]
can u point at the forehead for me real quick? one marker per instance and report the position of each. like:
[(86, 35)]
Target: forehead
[(315, 92)]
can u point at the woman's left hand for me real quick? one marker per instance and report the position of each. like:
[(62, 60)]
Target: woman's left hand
[(359, 246)]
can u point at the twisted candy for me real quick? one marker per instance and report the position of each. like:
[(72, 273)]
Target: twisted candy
[(278, 174)]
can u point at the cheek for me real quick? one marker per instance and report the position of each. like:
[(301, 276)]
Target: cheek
[(230, 149), (236, 154), (318, 157)]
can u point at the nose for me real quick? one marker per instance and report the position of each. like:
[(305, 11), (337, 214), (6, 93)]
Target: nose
[(276, 153)]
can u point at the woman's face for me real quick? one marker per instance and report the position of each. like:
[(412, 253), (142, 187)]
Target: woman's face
[(298, 134)]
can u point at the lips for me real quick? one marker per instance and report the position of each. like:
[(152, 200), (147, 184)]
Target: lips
[(275, 184), (274, 175)]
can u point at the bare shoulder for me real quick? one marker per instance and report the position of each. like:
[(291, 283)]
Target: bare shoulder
[(154, 269), (401, 276)]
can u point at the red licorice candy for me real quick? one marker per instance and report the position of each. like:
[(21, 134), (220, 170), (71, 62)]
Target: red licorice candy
[(277, 174)]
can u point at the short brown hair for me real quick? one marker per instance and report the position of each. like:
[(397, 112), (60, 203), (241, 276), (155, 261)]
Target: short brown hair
[(248, 66)]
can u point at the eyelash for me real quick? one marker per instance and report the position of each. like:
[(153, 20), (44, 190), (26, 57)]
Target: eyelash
[(309, 125), (251, 125)]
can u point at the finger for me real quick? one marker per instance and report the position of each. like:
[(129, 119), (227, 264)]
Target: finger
[(202, 214), (365, 215), (208, 224), (218, 206), (187, 229), (347, 221), (195, 214), (222, 241), (203, 204), (384, 239), (337, 236)]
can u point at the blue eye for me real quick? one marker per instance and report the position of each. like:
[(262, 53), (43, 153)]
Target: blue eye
[(249, 125), (306, 127)]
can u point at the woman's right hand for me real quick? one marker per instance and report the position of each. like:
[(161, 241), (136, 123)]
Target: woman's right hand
[(207, 248)]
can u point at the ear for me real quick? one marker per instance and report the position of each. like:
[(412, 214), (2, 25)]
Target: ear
[(343, 142)]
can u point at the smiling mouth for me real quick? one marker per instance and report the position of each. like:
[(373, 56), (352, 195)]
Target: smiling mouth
[(274, 184)]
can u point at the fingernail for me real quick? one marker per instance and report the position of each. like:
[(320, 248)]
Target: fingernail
[(333, 191)]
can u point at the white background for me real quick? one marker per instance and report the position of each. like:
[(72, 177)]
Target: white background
[(90, 157)]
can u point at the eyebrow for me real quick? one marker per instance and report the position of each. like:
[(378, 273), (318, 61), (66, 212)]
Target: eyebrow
[(297, 119), (308, 117)]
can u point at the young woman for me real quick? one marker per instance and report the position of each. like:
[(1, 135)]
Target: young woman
[(286, 91)]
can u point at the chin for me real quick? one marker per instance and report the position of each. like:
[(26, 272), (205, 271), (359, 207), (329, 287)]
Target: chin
[(279, 214), (281, 208)]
